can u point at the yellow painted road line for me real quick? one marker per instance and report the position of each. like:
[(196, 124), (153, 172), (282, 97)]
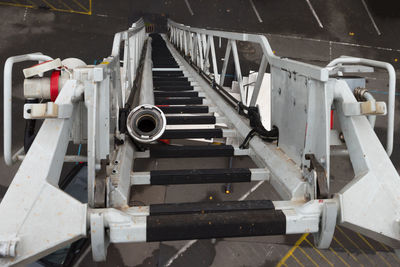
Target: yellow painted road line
[(50, 5), (319, 252), (340, 258), (347, 251), (390, 252), (16, 5), (64, 4), (290, 252), (377, 252), (354, 244), (79, 4), (52, 8), (308, 256), (297, 260)]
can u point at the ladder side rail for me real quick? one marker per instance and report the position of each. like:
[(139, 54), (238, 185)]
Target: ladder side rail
[(132, 40)]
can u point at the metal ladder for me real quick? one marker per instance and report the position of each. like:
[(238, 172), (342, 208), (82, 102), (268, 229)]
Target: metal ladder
[(184, 103), (97, 102)]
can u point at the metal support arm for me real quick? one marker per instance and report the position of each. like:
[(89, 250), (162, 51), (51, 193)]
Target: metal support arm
[(34, 210)]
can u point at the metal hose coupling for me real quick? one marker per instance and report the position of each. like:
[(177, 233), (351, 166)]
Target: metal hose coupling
[(146, 123)]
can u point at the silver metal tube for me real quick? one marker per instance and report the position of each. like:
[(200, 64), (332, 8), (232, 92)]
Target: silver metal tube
[(8, 157), (67, 158), (146, 123), (146, 91), (260, 77), (392, 89)]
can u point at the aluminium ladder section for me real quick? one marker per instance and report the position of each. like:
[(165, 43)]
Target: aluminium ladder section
[(177, 98)]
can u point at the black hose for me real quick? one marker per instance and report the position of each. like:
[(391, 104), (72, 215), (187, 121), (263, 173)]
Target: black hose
[(30, 126)]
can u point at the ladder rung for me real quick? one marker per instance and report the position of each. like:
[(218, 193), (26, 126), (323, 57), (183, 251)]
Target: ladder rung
[(176, 94), (167, 73), (199, 176), (164, 63), (173, 78), (167, 69), (192, 151), (171, 83), (178, 120), (173, 88), (192, 133), (184, 109), (210, 207), (215, 225), (178, 100), (159, 66)]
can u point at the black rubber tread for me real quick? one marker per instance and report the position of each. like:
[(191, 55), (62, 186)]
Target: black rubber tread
[(210, 206), (184, 109), (181, 120), (200, 176), (178, 100), (215, 225), (192, 133), (192, 151)]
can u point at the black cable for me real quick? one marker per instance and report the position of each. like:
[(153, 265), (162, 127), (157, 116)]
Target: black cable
[(252, 113), (30, 126)]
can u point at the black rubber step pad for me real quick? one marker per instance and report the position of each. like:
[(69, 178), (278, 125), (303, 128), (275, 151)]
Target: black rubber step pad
[(173, 88), (166, 79), (176, 94), (192, 133), (171, 83), (178, 100), (175, 66), (192, 151), (211, 206), (215, 225), (167, 73), (200, 176), (183, 120), (184, 109)]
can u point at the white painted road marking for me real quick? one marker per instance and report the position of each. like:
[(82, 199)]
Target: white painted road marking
[(188, 6), (256, 11), (314, 13), (332, 42), (370, 16)]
